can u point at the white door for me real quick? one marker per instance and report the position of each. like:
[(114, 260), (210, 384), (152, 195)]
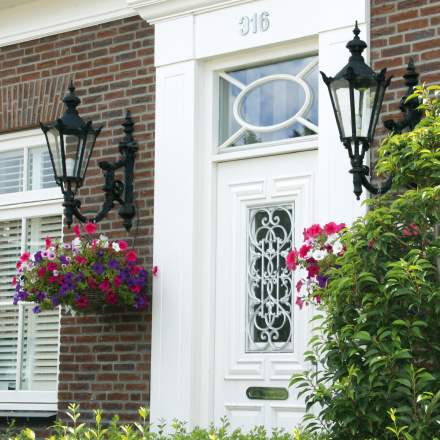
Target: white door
[(263, 205)]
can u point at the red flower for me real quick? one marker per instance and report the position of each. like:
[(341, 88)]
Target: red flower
[(117, 281), (52, 266), (41, 271), (77, 231), (94, 244), (48, 242), (52, 279), (331, 228), (14, 281), (299, 285), (25, 257), (90, 228), (105, 285), (341, 226), (18, 264), (136, 288), (122, 245), (306, 234), (299, 302), (314, 230), (81, 260), (313, 270), (82, 301), (154, 270), (61, 281), (291, 260), (134, 269), (111, 298), (304, 251), (371, 242), (92, 283), (318, 299), (131, 256)]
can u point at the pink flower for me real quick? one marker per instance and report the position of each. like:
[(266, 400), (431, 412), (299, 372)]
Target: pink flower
[(52, 255), (64, 266), (299, 302), (406, 232), (19, 263), (14, 281), (41, 271), (61, 281), (94, 244), (19, 270), (48, 243), (77, 231), (131, 256), (92, 283), (291, 260), (111, 298), (122, 245), (104, 285), (313, 270), (154, 270), (45, 253), (56, 273), (66, 246), (135, 288), (81, 260), (371, 242), (306, 234), (331, 228), (299, 285), (82, 301), (90, 228), (52, 266), (25, 257), (318, 299), (52, 279), (314, 230), (341, 226), (117, 281), (304, 250)]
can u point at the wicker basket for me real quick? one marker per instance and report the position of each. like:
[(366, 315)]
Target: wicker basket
[(95, 302)]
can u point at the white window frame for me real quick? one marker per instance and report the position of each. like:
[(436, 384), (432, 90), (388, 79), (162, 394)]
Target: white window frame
[(26, 205)]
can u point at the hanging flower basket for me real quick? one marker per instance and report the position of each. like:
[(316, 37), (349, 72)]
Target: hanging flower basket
[(86, 275)]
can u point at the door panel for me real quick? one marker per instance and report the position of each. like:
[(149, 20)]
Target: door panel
[(251, 282)]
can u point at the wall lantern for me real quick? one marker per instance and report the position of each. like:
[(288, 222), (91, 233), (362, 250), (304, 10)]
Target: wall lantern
[(71, 141), (356, 94)]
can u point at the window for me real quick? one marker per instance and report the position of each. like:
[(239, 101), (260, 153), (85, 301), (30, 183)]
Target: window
[(269, 103), (270, 284), (30, 210)]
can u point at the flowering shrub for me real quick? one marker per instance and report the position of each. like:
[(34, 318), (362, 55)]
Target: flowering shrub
[(317, 256), (68, 273)]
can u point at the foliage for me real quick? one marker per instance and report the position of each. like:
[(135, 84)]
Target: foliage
[(378, 340), (66, 273), (140, 431)]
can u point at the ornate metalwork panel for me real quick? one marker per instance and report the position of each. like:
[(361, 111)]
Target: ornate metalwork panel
[(269, 321)]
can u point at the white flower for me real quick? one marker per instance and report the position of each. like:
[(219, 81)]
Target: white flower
[(337, 247), (331, 238), (76, 243), (51, 249), (319, 255), (116, 247), (103, 238)]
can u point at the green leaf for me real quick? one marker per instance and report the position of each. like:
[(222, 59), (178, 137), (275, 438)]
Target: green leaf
[(362, 335)]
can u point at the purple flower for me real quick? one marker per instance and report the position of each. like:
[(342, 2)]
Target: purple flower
[(36, 310), (98, 268), (63, 259), (15, 302), (37, 257), (124, 273), (100, 253), (55, 301), (68, 276), (140, 302), (113, 264), (22, 295), (76, 297), (18, 287), (69, 285), (79, 277), (142, 273), (132, 281), (41, 296), (322, 280)]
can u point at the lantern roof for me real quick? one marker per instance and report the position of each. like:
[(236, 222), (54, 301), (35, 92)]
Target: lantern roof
[(71, 118)]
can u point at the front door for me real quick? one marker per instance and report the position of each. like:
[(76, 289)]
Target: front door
[(263, 204)]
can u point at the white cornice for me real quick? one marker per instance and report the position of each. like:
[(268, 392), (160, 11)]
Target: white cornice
[(154, 11), (43, 18)]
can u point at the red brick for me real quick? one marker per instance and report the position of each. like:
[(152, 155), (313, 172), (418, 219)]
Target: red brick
[(414, 24), (410, 4)]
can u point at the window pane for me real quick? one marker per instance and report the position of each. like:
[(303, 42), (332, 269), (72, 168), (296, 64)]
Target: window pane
[(40, 351), (10, 252), (11, 172), (8, 347), (269, 104), (39, 228), (40, 169), (270, 284)]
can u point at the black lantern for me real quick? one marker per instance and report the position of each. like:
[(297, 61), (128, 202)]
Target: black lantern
[(71, 141), (356, 94)]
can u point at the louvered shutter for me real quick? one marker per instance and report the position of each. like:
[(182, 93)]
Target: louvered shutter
[(11, 172), (40, 228), (10, 252), (40, 169), (8, 347)]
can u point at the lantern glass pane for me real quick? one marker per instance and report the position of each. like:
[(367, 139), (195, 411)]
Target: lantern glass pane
[(53, 140), (364, 94), (88, 148), (376, 111), (341, 98), (72, 146)]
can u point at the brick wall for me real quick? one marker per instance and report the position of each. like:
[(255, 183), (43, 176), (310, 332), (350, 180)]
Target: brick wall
[(101, 365), (401, 30)]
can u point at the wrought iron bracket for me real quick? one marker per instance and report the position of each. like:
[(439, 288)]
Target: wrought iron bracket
[(114, 189), (412, 116)]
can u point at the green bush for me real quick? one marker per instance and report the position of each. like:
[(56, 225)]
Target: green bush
[(140, 431), (378, 342)]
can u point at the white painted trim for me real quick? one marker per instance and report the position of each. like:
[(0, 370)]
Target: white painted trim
[(156, 11), (27, 26), (29, 406)]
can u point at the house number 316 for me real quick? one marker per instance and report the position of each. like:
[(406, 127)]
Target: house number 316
[(257, 21)]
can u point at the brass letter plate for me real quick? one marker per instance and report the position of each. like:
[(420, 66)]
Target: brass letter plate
[(267, 393)]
